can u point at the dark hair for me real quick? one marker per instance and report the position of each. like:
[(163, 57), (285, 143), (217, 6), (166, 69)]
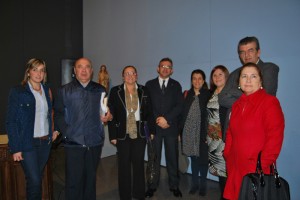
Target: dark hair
[(199, 71), (166, 59), (224, 70), (247, 40), (128, 66), (254, 66)]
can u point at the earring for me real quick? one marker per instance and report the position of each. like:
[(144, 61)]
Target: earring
[(261, 87), (239, 87)]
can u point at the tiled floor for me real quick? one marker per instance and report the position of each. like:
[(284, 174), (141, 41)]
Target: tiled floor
[(107, 183)]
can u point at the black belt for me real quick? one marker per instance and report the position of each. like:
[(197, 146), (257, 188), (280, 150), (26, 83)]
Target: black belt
[(42, 138)]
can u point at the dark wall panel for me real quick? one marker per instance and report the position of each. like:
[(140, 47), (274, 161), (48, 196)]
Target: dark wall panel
[(49, 30)]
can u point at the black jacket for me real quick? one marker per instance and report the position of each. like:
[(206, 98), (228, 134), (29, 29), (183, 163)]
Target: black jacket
[(117, 106), (77, 114), (203, 99)]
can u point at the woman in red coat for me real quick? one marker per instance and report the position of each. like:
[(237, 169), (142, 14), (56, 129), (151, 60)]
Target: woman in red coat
[(256, 125)]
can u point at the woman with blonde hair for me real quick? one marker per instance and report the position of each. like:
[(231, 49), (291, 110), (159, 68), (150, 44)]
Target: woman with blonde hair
[(29, 125)]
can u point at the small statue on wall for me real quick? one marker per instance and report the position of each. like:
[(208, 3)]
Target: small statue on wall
[(103, 77)]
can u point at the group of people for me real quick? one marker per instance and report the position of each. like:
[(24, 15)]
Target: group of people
[(222, 129)]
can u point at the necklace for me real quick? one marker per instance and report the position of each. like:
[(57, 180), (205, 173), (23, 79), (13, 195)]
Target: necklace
[(38, 90)]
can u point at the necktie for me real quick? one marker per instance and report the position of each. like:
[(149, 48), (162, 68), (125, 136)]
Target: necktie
[(163, 87)]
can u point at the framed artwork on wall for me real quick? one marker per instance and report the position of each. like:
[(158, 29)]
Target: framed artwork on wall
[(67, 72)]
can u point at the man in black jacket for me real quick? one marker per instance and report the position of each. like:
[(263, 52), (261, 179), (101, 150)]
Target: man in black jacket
[(167, 101), (77, 117)]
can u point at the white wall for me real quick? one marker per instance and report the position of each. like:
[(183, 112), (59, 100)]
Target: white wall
[(201, 34)]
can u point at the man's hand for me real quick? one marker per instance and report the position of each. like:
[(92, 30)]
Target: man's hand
[(162, 122)]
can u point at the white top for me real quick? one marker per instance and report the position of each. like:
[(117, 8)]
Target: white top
[(41, 124)]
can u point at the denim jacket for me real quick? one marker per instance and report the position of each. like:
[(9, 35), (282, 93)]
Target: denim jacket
[(21, 117)]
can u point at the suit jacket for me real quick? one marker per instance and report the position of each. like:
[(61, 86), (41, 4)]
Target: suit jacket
[(117, 106), (168, 105)]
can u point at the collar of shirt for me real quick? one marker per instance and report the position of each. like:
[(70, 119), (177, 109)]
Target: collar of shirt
[(257, 61), (84, 84), (161, 81), (33, 90)]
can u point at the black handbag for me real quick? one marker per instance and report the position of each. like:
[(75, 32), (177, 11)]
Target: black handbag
[(152, 158), (260, 186)]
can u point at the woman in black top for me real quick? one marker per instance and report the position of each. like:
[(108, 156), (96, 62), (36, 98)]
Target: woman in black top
[(194, 124)]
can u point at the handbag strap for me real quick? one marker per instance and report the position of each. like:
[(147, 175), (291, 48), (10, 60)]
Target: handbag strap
[(259, 170), (147, 132), (273, 171), (185, 93)]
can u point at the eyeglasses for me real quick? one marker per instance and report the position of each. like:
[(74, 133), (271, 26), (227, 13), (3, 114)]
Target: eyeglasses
[(249, 51), (130, 74), (166, 66)]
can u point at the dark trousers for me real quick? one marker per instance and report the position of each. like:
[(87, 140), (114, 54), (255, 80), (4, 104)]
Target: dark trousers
[(197, 167), (131, 154), (222, 183), (171, 153), (33, 165), (81, 169)]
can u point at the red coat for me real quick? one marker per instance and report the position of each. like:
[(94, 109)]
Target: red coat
[(256, 124)]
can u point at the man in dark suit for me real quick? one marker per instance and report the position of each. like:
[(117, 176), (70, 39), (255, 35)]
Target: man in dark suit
[(249, 52), (167, 101)]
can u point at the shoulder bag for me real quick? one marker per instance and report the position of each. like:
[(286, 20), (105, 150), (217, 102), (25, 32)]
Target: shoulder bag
[(260, 186)]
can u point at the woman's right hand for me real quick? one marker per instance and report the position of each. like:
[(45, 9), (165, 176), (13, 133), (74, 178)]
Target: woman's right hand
[(114, 142), (17, 156)]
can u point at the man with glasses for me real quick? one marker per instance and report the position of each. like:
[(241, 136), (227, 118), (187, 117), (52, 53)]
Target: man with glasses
[(249, 52), (167, 101)]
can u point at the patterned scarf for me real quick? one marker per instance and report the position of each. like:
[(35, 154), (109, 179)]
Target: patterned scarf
[(192, 129), (131, 106)]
